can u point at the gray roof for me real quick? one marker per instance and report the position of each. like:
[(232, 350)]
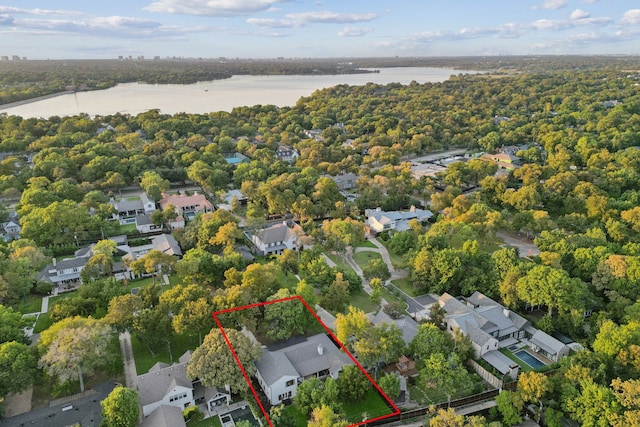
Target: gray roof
[(275, 233), (143, 220), (346, 177), (165, 416), (302, 358), (499, 361), (128, 205), (155, 384), (547, 342), (407, 325), (146, 199), (166, 243), (425, 300)]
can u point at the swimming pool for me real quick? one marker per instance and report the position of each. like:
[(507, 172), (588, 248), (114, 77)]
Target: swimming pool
[(239, 414), (529, 359)]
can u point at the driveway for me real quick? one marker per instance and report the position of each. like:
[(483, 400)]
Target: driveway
[(130, 374), (526, 248)]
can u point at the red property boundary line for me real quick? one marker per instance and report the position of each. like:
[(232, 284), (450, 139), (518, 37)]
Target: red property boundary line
[(335, 340)]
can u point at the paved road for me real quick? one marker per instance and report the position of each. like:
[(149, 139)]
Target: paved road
[(326, 317), (130, 374), (85, 411), (525, 247)]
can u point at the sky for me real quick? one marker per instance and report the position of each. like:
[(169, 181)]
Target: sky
[(85, 29)]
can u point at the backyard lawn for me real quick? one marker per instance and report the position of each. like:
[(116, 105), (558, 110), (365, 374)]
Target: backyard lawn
[(372, 406), (209, 422), (339, 260), (144, 359), (362, 301), (405, 285), (363, 258), (33, 304)]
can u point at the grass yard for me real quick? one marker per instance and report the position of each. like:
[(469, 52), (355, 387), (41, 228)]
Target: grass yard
[(398, 261), (209, 422), (363, 258), (366, 244), (373, 406), (361, 300), (523, 366), (299, 418), (33, 304), (144, 359), (339, 260), (405, 285), (128, 228)]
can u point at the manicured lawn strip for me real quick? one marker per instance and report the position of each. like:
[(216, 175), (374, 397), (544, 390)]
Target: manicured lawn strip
[(144, 360), (299, 418), (339, 260), (128, 228), (33, 304), (373, 405), (42, 323), (209, 422), (523, 366), (363, 258), (388, 296), (405, 285), (366, 244), (361, 300)]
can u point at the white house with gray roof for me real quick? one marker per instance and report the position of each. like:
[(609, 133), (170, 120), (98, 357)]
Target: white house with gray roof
[(285, 365), (127, 209), (276, 238), (169, 385), (379, 220)]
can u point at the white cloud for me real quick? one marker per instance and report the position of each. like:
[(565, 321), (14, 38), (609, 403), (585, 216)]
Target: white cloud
[(579, 14), (293, 20), (274, 23), (21, 11), (551, 24), (6, 19), (552, 4), (331, 17), (591, 1), (212, 7), (353, 32), (631, 17)]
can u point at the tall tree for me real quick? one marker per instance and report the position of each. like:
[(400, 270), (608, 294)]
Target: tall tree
[(121, 408), (215, 365), (77, 350), (18, 367), (154, 185), (11, 326)]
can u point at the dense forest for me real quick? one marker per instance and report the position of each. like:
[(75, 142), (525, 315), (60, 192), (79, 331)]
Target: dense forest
[(575, 121)]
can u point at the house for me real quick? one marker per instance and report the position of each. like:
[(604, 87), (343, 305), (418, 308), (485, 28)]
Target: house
[(504, 160), (314, 134), (227, 199), (287, 154), (346, 181), (276, 238), (165, 416), (145, 225), (285, 365), (127, 209), (187, 207), (407, 325), (11, 230), (164, 243), (379, 220), (491, 326), (169, 385), (64, 272)]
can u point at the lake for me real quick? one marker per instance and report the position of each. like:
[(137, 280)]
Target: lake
[(217, 95)]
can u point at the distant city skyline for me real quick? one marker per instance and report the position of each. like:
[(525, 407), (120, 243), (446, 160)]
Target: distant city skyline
[(70, 29)]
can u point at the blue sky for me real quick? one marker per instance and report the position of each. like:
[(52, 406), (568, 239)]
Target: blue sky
[(321, 28)]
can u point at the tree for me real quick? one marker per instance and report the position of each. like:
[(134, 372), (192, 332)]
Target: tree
[(551, 287), (227, 235), (280, 417), (449, 418), (156, 262), (445, 374), (194, 318), (213, 363), (335, 297), (18, 367), (594, 405), (324, 416), (11, 326), (313, 393), (120, 408), (351, 326), (259, 281), (154, 185), (76, 348), (122, 311), (343, 233), (379, 344), (353, 384), (376, 268), (285, 318), (288, 262), (152, 327), (429, 340), (390, 385), (532, 386), (510, 405)]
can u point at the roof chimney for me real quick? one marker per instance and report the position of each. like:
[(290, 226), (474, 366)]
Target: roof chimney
[(54, 261), (505, 311), (320, 349)]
